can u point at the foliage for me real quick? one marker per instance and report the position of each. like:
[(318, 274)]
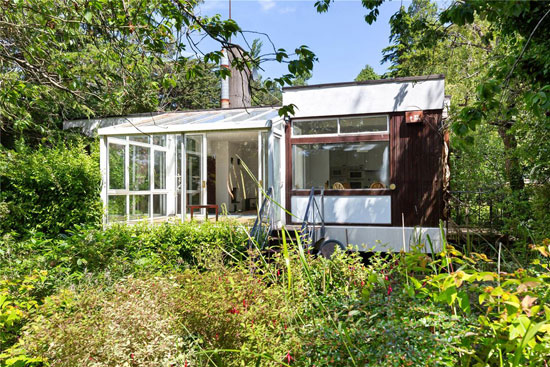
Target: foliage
[(513, 321), (72, 59), (88, 253), (133, 323), (49, 190), (214, 308), (490, 55), (367, 73)]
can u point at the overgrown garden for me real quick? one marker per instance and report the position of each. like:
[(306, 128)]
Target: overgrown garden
[(75, 294)]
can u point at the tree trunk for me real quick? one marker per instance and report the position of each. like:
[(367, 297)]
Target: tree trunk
[(512, 164)]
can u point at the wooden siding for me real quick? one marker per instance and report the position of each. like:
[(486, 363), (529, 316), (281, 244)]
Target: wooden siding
[(417, 170)]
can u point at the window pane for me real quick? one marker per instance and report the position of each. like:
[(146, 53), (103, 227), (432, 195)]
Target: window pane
[(139, 168), (140, 138), (160, 170), (350, 165), (159, 205), (193, 172), (139, 207), (159, 140), (116, 208), (315, 127), (117, 179), (193, 199), (363, 124), (194, 143)]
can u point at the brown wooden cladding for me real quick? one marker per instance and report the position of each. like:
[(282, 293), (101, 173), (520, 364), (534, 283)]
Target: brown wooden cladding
[(416, 169)]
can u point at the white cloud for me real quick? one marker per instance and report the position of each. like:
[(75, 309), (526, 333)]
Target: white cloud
[(267, 4), (287, 10)]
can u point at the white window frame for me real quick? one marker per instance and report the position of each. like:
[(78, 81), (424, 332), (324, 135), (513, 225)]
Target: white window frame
[(338, 133), (126, 142)]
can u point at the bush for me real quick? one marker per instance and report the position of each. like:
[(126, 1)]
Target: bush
[(133, 324), (49, 190), (104, 255)]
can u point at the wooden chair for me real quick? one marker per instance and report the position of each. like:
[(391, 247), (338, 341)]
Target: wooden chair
[(338, 186), (377, 185)]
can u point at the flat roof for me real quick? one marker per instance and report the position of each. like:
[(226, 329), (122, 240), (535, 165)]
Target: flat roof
[(368, 82), (198, 120)]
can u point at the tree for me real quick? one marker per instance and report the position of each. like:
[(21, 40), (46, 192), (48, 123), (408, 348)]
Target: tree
[(496, 65), (65, 59), (367, 73)]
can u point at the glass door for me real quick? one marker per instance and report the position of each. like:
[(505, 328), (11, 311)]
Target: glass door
[(195, 184)]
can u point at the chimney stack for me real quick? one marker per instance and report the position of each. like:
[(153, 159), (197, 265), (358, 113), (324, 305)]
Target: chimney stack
[(225, 80), (236, 88)]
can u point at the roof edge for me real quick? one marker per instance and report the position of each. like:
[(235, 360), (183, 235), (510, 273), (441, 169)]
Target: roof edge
[(370, 82), (156, 113)]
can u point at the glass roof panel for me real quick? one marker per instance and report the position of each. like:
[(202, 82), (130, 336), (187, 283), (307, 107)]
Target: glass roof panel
[(250, 114), (191, 118), (222, 116)]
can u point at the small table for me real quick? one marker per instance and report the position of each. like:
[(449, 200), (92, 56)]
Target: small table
[(192, 208)]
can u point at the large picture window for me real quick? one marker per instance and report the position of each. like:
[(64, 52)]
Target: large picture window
[(360, 165), (324, 155)]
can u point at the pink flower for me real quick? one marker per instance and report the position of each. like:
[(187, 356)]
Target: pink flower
[(389, 290), (289, 357)]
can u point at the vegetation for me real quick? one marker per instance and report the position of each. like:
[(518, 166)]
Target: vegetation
[(367, 73), (185, 295), (495, 74), (49, 189), (74, 294)]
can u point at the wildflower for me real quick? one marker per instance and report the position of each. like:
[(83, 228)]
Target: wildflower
[(233, 310), (362, 283), (132, 355), (288, 357), (389, 290), (386, 278)]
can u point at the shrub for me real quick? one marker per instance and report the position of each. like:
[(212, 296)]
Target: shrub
[(133, 324), (120, 250), (49, 190)]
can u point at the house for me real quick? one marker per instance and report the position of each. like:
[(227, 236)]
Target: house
[(376, 151)]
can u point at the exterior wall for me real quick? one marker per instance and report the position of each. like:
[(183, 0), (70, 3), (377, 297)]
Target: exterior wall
[(375, 218), (422, 93), (390, 239), (417, 160), (416, 170), (349, 209)]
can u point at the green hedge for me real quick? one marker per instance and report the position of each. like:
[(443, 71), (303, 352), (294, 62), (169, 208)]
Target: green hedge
[(119, 250), (49, 189)]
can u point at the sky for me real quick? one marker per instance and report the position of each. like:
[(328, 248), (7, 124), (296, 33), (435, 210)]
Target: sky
[(341, 39)]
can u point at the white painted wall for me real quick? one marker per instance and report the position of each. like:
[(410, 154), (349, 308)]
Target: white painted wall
[(349, 209), (220, 149), (387, 239), (366, 98)]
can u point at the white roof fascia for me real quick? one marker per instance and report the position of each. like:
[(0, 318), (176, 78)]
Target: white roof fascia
[(183, 128), (391, 96)]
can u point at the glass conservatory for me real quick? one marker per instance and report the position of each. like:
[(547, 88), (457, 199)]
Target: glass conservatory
[(161, 166)]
